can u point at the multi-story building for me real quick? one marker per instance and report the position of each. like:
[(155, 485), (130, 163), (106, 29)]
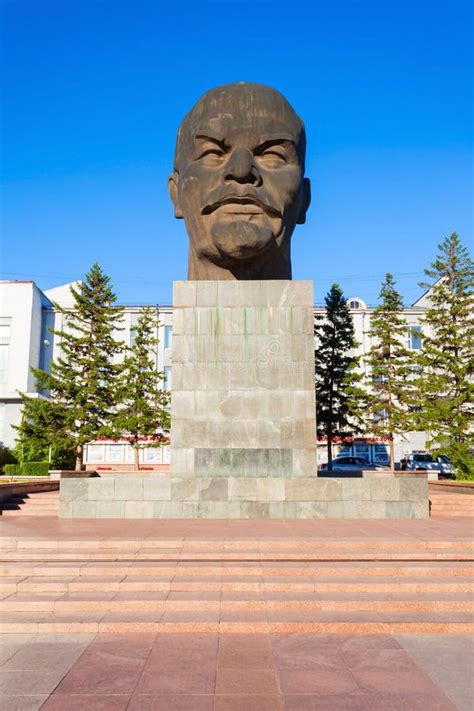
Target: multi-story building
[(27, 316)]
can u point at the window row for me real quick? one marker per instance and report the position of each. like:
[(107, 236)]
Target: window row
[(123, 454)]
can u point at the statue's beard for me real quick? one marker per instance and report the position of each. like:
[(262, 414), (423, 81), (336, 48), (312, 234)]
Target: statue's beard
[(241, 240)]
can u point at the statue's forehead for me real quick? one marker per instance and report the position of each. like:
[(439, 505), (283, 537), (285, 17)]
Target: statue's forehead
[(264, 126), (236, 106)]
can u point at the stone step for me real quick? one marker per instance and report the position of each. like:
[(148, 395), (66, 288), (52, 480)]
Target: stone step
[(37, 504), (43, 503), (154, 603), (205, 544), (453, 508), (31, 499), (23, 512), (30, 505), (457, 500), (451, 505), (453, 499), (156, 556), (348, 622), (249, 570), (35, 496), (237, 585), (469, 504)]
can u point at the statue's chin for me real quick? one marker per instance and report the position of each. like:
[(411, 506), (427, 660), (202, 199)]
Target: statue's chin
[(241, 240)]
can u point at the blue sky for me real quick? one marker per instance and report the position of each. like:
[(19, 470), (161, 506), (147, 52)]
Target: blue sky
[(93, 94)]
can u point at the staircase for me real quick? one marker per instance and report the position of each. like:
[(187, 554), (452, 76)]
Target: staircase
[(232, 585), (43, 503), (450, 503)]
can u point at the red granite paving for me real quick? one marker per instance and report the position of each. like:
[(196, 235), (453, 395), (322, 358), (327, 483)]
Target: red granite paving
[(51, 527), (246, 673)]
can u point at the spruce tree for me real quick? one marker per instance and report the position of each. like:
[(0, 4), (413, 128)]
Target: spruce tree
[(391, 368), (446, 361), (143, 402), (339, 397), (82, 382)]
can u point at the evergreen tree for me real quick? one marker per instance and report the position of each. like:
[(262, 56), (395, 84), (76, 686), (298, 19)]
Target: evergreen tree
[(391, 364), (339, 398), (42, 435), (143, 401), (82, 382), (446, 362)]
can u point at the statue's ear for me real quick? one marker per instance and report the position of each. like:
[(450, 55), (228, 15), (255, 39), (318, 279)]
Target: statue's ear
[(305, 201), (173, 190)]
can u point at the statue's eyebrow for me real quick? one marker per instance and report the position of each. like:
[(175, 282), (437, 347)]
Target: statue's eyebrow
[(213, 139), (274, 140)]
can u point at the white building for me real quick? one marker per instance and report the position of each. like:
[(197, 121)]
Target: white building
[(27, 315)]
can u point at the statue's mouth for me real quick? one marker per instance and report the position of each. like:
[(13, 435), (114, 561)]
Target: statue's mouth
[(241, 205)]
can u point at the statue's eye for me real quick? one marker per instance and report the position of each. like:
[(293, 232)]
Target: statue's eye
[(272, 159), (212, 157)]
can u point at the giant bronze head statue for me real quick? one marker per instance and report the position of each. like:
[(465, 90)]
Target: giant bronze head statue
[(238, 182)]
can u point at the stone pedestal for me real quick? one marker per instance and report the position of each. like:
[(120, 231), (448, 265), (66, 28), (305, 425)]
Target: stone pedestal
[(242, 398)]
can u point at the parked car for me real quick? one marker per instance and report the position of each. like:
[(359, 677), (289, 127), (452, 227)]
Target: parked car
[(353, 464), (422, 461)]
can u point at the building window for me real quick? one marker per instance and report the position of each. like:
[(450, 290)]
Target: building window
[(95, 453), (168, 336), (414, 338), (167, 378), (381, 453), (361, 450), (353, 304), (133, 335), (153, 455), (3, 364), (115, 453)]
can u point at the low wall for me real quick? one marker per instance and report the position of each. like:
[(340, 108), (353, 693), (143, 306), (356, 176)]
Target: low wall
[(162, 496)]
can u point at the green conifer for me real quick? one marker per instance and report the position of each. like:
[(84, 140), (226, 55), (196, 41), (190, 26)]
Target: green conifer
[(143, 401), (339, 397), (391, 368), (446, 361)]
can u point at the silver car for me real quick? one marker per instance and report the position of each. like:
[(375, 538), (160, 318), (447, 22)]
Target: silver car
[(422, 461), (353, 464)]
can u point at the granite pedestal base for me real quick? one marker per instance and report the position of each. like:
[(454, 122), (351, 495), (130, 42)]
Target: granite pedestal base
[(164, 496)]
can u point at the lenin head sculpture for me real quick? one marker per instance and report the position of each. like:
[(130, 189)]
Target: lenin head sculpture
[(239, 184)]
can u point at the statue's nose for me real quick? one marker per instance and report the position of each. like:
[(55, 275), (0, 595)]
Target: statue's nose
[(241, 167)]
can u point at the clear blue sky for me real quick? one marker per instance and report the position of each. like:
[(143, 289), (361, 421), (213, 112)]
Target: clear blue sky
[(94, 93)]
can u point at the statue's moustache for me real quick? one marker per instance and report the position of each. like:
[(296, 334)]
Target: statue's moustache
[(247, 198)]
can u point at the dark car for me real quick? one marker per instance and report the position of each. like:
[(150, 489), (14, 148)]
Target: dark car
[(353, 464)]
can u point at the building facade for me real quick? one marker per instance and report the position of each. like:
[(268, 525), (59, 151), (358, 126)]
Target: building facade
[(27, 316)]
